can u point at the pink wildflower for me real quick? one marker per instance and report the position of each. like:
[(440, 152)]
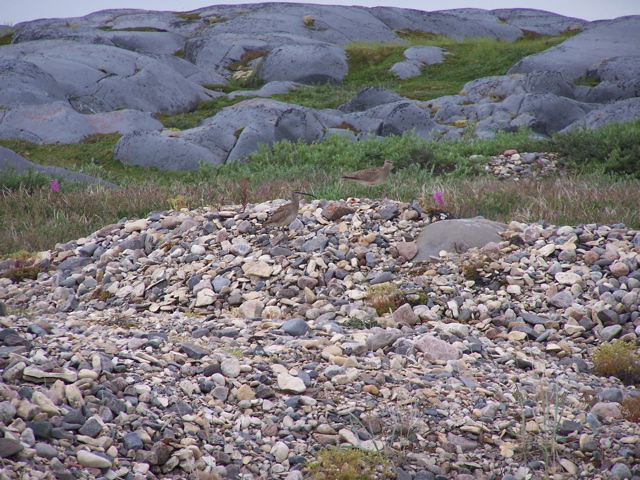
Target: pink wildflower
[(54, 186)]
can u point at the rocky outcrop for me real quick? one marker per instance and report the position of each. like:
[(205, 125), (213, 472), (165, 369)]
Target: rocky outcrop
[(59, 73)]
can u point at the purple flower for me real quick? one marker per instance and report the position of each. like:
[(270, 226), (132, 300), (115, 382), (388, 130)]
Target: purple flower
[(54, 186), (437, 197)]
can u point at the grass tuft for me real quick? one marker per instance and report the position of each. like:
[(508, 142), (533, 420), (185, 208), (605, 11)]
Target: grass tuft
[(617, 359), (349, 464), (385, 298)]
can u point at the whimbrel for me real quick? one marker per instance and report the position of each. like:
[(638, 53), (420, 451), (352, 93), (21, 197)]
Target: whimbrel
[(371, 177), (288, 212)]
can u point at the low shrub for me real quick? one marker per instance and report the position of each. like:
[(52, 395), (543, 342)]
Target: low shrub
[(349, 464), (612, 149), (631, 409), (385, 297), (618, 359)]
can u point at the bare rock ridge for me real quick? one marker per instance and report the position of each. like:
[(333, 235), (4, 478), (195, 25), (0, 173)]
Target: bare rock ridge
[(111, 71)]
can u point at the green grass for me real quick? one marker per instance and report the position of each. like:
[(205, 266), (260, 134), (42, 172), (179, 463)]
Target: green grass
[(7, 38), (599, 184)]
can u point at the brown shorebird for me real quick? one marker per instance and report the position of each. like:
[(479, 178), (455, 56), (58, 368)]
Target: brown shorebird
[(371, 177), (288, 212)]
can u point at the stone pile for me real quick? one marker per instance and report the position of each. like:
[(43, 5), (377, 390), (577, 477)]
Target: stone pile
[(200, 344), (513, 166)]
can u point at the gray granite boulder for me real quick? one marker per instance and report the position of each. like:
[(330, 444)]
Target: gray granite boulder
[(406, 69), (544, 113), (425, 54), (500, 87), (621, 68), (101, 78), (161, 150), (416, 57), (307, 64), (24, 83), (271, 88), (621, 111), (405, 116), (457, 24), (10, 161), (576, 55), (608, 91), (455, 236), (368, 98), (332, 24), (299, 124), (59, 123), (231, 135), (538, 21)]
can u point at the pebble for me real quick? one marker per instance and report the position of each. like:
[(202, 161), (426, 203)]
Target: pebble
[(230, 351)]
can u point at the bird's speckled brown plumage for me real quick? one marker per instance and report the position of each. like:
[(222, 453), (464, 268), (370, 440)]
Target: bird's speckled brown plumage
[(286, 213), (371, 177)]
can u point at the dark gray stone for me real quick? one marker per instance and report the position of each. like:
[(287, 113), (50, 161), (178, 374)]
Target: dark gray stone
[(132, 441), (296, 327), (382, 338), (92, 428), (9, 447), (45, 450), (41, 429), (368, 98), (194, 351), (314, 244), (7, 413)]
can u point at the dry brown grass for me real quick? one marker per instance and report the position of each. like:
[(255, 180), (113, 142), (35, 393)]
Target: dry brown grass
[(562, 201)]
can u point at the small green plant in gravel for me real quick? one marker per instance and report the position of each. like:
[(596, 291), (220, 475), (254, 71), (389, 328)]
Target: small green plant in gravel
[(538, 435), (385, 297), (361, 324), (349, 464), (631, 409), (617, 359)]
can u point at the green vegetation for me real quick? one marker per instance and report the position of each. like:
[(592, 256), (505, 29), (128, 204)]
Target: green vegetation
[(612, 149), (7, 38), (618, 359), (385, 298), (599, 181), (349, 464)]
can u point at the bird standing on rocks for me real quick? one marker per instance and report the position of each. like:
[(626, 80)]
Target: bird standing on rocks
[(288, 212), (371, 177)]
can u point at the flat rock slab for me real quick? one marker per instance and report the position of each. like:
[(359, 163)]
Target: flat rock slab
[(101, 78), (576, 55), (456, 236), (59, 123), (14, 163), (621, 111)]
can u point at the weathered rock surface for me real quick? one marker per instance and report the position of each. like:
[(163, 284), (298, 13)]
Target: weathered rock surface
[(132, 59), (59, 123)]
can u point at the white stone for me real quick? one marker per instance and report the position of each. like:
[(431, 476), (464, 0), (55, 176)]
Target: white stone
[(289, 383), (91, 460)]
